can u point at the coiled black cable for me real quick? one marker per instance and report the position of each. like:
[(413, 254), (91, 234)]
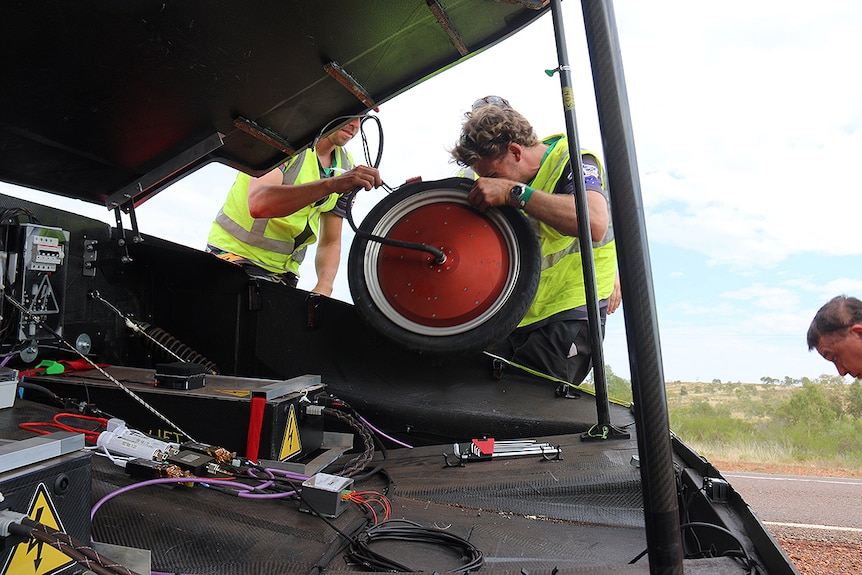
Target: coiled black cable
[(402, 530)]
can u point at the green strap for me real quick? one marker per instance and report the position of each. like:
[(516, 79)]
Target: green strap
[(555, 379)]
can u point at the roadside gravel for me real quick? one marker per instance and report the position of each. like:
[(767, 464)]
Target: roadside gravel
[(814, 552), (814, 557)]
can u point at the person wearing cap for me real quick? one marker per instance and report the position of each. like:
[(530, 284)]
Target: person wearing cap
[(836, 334), (267, 222), (515, 168)]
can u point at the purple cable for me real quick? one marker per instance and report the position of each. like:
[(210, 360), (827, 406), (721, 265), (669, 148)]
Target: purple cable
[(287, 474), (247, 495), (378, 432), (162, 480)]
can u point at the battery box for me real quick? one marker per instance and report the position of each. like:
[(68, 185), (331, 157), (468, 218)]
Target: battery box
[(221, 413), (48, 478)]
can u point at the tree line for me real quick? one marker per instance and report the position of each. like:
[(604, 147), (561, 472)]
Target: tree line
[(814, 421)]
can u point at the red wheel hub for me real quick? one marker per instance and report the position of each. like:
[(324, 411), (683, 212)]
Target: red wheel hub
[(457, 291)]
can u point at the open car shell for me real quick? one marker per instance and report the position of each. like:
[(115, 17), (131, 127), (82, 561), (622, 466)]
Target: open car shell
[(111, 102)]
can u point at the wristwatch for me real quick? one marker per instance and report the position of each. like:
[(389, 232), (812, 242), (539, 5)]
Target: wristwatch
[(515, 194), (519, 195)]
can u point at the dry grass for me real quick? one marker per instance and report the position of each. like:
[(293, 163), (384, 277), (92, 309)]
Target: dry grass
[(746, 424)]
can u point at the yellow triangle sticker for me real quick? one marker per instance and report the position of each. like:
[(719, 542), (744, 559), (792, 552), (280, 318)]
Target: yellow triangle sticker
[(36, 557), (234, 392), (290, 443)]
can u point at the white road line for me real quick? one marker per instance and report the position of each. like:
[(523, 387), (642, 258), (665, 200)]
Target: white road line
[(807, 526), (806, 479)]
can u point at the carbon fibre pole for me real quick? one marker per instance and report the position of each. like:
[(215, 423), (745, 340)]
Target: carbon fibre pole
[(658, 482), (603, 429)]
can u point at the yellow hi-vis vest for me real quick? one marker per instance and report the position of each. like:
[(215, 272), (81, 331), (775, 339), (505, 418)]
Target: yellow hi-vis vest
[(561, 284), (275, 244)]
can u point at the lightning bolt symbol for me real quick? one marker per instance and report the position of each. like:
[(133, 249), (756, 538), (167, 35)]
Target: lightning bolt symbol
[(37, 544)]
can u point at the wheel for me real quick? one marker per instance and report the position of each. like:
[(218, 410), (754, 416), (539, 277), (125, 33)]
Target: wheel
[(473, 299)]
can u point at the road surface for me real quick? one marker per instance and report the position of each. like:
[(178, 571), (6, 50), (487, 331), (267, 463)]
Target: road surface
[(818, 508)]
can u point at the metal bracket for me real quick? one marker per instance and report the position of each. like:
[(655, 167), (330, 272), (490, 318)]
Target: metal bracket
[(497, 367), (448, 26), (567, 391), (264, 134), (128, 207), (91, 254), (346, 80), (312, 310), (603, 432), (152, 182)]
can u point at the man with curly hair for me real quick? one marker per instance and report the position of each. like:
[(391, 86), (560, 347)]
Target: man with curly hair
[(516, 168)]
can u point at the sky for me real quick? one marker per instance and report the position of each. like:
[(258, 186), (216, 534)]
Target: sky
[(747, 120)]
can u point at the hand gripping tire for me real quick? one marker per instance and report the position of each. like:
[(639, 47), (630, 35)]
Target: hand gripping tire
[(473, 299)]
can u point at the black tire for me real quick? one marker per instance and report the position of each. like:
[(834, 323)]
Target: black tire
[(474, 299)]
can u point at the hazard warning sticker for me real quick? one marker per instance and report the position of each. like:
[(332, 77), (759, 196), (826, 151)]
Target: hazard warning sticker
[(36, 557), (290, 443)]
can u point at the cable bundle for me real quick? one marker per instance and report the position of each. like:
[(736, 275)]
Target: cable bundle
[(410, 532), (81, 553)]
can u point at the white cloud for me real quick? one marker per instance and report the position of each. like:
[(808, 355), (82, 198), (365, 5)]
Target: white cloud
[(747, 126), (748, 132)]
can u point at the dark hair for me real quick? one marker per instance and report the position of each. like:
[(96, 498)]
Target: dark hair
[(837, 314), (487, 132)]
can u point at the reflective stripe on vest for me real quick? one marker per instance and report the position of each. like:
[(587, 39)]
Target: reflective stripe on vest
[(275, 244), (561, 284)]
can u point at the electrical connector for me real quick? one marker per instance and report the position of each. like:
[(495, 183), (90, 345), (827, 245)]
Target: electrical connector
[(716, 489), (322, 494), (314, 409), (11, 522), (149, 469), (15, 528), (220, 454), (194, 463)]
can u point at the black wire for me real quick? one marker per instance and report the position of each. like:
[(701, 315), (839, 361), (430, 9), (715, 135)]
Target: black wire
[(740, 554), (638, 556), (357, 464), (338, 545), (379, 468), (408, 531), (347, 536), (11, 215), (376, 163), (366, 433), (26, 385), (439, 256)]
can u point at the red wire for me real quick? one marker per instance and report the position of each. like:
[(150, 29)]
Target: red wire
[(103, 422), (90, 435), (368, 498)]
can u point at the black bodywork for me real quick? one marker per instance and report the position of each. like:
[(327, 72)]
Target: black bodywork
[(112, 102)]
